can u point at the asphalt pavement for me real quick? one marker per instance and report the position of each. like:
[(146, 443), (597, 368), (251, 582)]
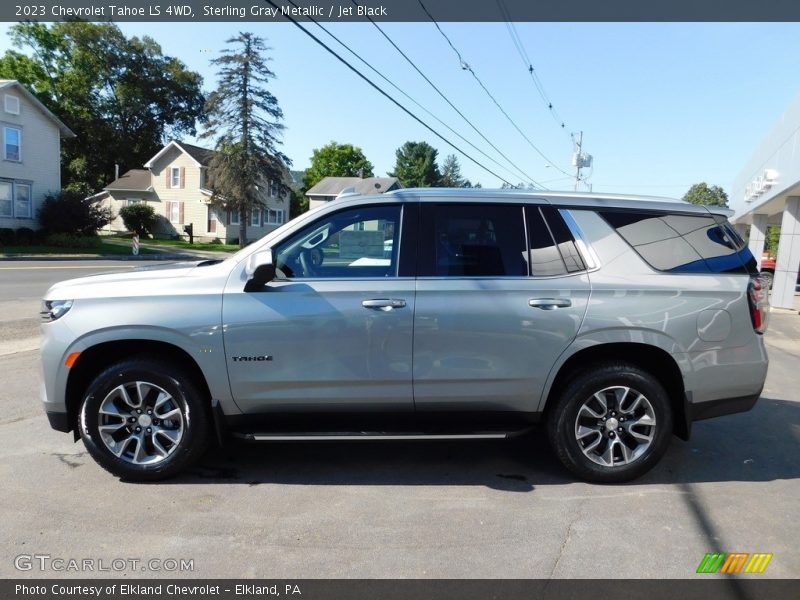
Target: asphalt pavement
[(493, 509)]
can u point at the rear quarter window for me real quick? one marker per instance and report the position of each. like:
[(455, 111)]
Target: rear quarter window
[(683, 243)]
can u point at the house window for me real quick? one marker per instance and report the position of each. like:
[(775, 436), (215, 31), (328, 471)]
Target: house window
[(12, 104), (175, 177), (175, 212), (6, 199), (255, 218), (13, 144), (234, 217), (212, 220), (274, 189), (22, 202), (132, 201), (274, 217)]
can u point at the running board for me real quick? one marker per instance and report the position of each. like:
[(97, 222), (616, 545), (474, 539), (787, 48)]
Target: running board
[(367, 436)]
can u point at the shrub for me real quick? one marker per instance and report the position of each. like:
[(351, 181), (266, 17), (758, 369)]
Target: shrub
[(68, 240), (26, 236), (138, 218), (70, 212), (7, 237)]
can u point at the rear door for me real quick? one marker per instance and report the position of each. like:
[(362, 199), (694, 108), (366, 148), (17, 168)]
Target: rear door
[(501, 292)]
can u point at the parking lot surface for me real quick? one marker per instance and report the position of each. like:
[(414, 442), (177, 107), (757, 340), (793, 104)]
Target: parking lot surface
[(504, 509)]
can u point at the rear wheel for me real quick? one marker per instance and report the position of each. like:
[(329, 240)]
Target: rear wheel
[(612, 423), (142, 420)]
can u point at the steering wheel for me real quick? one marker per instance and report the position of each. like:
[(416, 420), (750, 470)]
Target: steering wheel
[(306, 262)]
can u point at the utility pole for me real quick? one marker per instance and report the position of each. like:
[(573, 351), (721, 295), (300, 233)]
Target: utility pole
[(579, 159)]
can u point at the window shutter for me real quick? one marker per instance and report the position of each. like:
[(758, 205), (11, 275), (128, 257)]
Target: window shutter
[(166, 173), (183, 181), (180, 210), (168, 206)]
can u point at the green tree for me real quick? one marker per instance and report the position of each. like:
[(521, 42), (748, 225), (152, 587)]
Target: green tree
[(298, 204), (416, 165), (451, 173), (702, 193), (72, 213), (245, 120), (121, 96), (336, 160), (138, 218)]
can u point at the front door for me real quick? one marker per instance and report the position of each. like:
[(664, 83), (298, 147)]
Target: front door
[(333, 331), (501, 293)]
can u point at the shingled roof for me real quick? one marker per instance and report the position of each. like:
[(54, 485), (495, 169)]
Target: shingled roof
[(331, 186), (135, 180)]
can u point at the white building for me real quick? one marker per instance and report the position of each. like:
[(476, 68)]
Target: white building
[(767, 192)]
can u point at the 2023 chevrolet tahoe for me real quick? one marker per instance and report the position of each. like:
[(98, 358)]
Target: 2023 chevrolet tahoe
[(617, 321)]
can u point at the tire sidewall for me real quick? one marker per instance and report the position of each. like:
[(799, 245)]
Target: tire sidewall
[(182, 392), (562, 429)]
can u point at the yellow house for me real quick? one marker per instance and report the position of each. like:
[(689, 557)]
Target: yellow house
[(174, 183)]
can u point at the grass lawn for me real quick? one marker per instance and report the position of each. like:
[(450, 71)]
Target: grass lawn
[(103, 248), (195, 246)]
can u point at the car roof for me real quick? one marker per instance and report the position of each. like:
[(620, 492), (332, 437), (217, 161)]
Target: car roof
[(560, 199)]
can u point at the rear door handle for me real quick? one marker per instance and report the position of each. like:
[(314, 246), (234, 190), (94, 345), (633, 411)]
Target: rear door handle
[(549, 303), (384, 304)]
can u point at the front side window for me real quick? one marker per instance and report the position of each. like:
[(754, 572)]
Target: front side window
[(13, 143), (175, 177), (353, 243), (22, 202), (6, 199), (473, 240)]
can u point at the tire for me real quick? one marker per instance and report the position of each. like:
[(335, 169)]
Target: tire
[(577, 421), (159, 448)]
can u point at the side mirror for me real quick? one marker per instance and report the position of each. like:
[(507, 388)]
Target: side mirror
[(260, 270)]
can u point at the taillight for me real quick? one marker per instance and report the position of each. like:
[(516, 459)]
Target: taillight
[(758, 298)]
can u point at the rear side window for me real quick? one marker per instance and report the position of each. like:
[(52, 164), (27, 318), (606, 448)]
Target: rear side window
[(682, 243), (472, 240)]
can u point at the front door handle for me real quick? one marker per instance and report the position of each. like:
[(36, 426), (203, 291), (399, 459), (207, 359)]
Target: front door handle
[(549, 303), (384, 304)]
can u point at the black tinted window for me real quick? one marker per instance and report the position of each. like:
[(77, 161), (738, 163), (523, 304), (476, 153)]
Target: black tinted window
[(473, 240), (564, 240), (546, 260), (682, 243)]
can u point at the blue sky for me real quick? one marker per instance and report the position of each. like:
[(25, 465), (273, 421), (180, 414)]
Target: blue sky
[(662, 106)]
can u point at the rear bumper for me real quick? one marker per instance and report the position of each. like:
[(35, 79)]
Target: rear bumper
[(712, 408)]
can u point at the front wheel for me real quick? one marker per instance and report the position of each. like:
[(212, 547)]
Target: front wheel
[(611, 424), (144, 421)]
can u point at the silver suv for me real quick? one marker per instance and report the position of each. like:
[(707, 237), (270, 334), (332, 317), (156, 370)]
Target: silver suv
[(434, 314)]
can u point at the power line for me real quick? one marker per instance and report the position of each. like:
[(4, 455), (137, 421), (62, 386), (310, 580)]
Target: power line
[(466, 67), (446, 99), (383, 93), (401, 91), (535, 79)]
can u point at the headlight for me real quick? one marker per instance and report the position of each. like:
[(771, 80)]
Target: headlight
[(55, 309)]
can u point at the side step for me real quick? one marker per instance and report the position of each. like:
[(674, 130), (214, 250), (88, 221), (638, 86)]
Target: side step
[(368, 436)]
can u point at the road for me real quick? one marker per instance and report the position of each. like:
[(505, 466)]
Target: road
[(427, 510)]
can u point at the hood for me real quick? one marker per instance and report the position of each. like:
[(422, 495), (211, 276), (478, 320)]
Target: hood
[(138, 281)]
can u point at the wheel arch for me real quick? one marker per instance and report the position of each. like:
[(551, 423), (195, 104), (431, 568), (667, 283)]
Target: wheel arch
[(653, 359), (96, 358)]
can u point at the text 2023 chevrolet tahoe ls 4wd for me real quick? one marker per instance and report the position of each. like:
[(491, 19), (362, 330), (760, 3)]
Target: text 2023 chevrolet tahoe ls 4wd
[(420, 314)]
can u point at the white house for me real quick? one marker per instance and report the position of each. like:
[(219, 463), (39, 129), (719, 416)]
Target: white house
[(30, 159), (174, 183)]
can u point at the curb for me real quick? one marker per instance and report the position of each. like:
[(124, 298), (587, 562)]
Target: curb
[(123, 257)]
